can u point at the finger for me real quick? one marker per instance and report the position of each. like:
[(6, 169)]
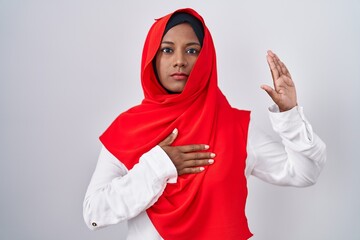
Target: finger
[(277, 61), (271, 53), (193, 148), (273, 69), (197, 163), (284, 69), (278, 64), (198, 156), (191, 170), (272, 93), (169, 139), (282, 66)]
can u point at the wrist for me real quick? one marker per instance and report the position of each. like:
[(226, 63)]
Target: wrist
[(284, 109)]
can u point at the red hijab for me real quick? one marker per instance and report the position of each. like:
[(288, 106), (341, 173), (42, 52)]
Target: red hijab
[(209, 205)]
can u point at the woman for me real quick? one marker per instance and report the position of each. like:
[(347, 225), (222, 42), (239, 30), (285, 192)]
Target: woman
[(175, 166)]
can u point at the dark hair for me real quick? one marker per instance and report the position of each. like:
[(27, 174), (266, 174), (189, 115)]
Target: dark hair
[(181, 17)]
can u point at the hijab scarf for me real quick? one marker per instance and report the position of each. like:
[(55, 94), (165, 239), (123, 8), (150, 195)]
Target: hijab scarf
[(209, 205)]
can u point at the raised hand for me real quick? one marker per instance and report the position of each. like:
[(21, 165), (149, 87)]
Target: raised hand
[(188, 158), (284, 92)]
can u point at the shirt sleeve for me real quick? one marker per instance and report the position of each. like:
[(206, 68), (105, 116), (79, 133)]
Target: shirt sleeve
[(296, 158), (117, 194)]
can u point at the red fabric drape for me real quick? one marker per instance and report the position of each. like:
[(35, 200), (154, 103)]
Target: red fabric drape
[(209, 205)]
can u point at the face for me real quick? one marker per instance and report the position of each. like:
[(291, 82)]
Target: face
[(176, 57)]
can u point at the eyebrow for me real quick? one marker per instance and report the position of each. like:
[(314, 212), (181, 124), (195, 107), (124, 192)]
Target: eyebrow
[(188, 44)]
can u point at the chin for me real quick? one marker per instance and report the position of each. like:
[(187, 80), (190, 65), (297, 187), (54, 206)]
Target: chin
[(175, 90)]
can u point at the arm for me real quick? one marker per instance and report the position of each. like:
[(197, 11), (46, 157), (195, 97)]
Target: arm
[(295, 161), (300, 158), (116, 194)]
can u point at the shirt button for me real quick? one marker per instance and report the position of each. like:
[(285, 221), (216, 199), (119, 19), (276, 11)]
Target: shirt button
[(94, 224)]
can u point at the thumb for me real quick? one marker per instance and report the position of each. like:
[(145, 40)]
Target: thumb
[(272, 93), (169, 139)]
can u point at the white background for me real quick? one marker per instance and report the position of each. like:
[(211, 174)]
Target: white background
[(68, 68)]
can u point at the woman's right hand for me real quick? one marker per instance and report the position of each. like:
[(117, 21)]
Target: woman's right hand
[(187, 158)]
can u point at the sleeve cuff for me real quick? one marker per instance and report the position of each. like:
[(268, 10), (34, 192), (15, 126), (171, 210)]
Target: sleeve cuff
[(161, 164), (288, 121), (282, 120)]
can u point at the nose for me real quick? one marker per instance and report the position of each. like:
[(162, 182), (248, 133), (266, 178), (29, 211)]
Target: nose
[(180, 60)]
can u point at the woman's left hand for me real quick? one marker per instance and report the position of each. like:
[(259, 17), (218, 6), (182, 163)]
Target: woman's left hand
[(284, 92)]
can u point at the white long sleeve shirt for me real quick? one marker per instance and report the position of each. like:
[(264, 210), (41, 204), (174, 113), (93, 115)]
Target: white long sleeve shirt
[(116, 194)]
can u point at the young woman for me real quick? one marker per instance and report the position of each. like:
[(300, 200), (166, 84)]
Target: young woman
[(175, 166)]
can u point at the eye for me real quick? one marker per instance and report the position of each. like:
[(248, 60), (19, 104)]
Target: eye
[(192, 51), (166, 50)]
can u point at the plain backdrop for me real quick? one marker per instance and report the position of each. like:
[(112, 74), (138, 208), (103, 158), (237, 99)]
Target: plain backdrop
[(68, 68)]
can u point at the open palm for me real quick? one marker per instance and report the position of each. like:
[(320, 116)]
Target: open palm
[(284, 92)]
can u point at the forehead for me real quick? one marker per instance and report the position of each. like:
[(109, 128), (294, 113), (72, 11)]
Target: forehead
[(180, 32)]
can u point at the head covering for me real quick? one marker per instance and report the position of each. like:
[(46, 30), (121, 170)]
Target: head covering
[(178, 18), (182, 17), (209, 205)]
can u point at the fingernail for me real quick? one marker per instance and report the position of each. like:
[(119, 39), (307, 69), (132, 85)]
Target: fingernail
[(207, 146), (175, 131), (211, 161), (201, 168), (212, 155)]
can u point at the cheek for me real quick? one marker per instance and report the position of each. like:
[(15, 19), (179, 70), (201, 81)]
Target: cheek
[(157, 63), (192, 63), (160, 66), (161, 70)]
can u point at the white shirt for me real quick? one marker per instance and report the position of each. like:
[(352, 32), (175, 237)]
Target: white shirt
[(116, 194)]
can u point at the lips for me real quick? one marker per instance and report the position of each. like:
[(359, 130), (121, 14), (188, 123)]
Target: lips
[(179, 76)]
